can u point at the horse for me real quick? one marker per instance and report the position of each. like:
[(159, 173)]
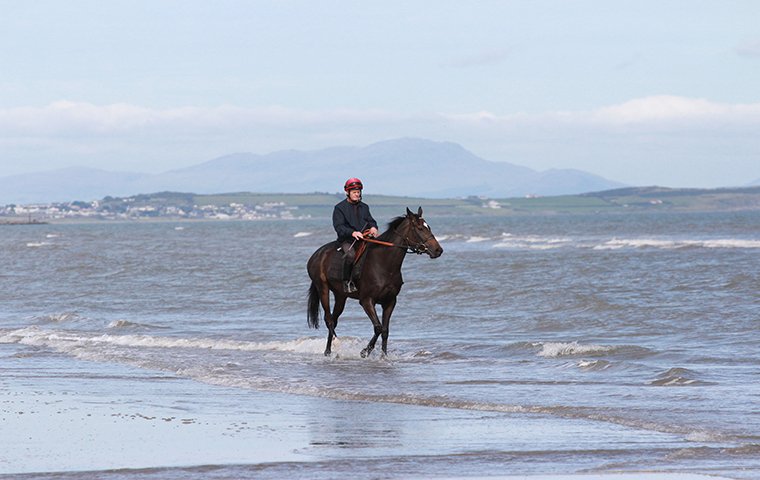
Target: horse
[(380, 280)]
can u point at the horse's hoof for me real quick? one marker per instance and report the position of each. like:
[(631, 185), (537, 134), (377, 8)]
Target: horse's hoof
[(328, 353), (364, 353)]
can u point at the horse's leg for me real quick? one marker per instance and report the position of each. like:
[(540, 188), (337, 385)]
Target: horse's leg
[(369, 308), (324, 298), (340, 304), (387, 312)]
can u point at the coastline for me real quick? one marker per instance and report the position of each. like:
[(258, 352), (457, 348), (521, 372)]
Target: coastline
[(68, 434), (87, 420), (33, 222), (102, 421), (294, 206)]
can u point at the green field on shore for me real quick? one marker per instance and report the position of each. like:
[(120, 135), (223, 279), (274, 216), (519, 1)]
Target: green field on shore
[(649, 199), (246, 205)]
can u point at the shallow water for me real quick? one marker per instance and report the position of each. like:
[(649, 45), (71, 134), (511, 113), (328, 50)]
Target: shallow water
[(534, 345)]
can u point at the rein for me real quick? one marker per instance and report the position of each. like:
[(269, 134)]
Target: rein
[(385, 244), (419, 250)]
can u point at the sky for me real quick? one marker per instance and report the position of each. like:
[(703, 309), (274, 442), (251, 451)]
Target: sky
[(644, 92)]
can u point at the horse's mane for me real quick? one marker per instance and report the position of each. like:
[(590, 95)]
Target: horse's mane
[(396, 222), (392, 226)]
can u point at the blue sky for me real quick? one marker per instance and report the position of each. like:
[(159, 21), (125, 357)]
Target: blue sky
[(642, 92)]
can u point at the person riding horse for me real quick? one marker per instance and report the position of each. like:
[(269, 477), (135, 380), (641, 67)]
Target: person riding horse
[(351, 217), (381, 280)]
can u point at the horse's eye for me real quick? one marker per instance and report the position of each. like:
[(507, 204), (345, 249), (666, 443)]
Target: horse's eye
[(424, 224)]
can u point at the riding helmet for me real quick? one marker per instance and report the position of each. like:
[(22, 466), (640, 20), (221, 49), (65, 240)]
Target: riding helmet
[(353, 184)]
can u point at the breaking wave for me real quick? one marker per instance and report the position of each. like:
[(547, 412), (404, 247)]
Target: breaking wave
[(38, 244), (62, 339), (618, 243), (127, 325), (59, 318), (219, 371), (677, 377), (537, 242), (559, 349)]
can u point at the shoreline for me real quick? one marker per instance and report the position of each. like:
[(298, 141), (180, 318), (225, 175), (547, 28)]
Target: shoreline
[(48, 432), (66, 417), (33, 222), (121, 423)]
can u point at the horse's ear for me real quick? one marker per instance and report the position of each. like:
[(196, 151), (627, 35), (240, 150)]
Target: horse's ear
[(419, 212), (408, 212)]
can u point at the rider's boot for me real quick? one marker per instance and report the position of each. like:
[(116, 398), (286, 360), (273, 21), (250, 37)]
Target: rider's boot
[(348, 283)]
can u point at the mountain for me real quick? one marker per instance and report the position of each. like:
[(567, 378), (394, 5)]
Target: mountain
[(407, 166)]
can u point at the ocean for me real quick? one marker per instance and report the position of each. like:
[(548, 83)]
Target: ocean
[(535, 345)]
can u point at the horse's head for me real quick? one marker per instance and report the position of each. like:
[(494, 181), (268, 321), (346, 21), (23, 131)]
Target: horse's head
[(418, 236)]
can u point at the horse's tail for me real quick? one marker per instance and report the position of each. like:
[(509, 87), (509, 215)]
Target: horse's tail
[(312, 315)]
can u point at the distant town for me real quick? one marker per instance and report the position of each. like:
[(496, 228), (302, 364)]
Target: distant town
[(283, 206), (145, 207)]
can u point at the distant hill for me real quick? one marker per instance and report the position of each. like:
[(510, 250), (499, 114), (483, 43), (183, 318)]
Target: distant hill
[(176, 206), (406, 166), (694, 199), (620, 200)]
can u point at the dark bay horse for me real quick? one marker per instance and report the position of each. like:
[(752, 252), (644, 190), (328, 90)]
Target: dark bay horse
[(380, 280)]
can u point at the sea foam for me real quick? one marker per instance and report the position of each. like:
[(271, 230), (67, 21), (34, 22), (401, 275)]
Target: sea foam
[(559, 349), (66, 341), (668, 244)]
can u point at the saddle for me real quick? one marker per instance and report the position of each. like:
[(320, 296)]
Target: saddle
[(335, 269)]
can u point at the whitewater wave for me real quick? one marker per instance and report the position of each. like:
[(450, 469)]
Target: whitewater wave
[(560, 349), (59, 318), (476, 239), (69, 341), (224, 372), (594, 365), (127, 325), (534, 242), (677, 377), (302, 234), (38, 244), (538, 242), (669, 244)]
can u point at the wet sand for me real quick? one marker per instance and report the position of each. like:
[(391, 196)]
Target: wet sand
[(107, 427), (45, 431), (63, 417)]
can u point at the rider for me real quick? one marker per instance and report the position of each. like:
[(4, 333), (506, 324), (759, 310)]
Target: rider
[(351, 217)]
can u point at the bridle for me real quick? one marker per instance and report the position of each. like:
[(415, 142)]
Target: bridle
[(420, 247)]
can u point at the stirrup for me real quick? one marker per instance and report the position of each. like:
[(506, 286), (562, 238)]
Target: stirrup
[(349, 286)]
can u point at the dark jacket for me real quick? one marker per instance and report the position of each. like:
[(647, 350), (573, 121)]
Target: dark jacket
[(349, 218)]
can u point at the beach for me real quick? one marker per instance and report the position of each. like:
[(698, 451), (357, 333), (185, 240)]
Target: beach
[(101, 428), (575, 347)]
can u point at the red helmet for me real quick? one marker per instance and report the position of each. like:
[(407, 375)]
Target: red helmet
[(353, 184)]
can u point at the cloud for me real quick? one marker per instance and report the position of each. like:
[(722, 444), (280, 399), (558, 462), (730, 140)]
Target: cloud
[(657, 129), (657, 112), (66, 119), (676, 110), (749, 48), (85, 119)]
